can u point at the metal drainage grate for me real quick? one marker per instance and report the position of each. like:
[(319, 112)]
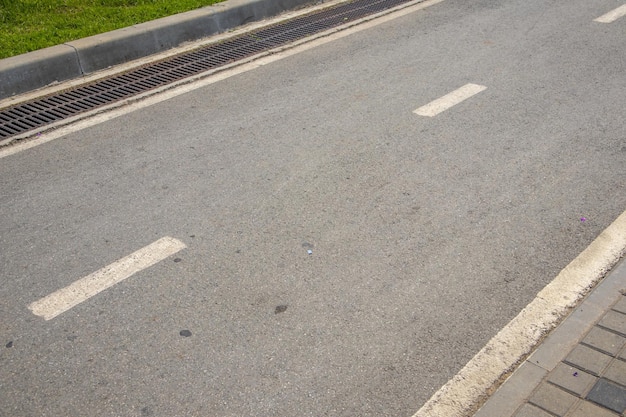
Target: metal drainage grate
[(40, 112)]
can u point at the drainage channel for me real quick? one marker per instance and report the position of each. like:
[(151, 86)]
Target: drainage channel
[(40, 112)]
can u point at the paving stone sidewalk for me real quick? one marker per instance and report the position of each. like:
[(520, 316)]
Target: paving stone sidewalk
[(580, 369)]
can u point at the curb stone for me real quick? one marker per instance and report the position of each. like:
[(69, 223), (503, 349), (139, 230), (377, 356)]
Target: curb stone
[(37, 69)]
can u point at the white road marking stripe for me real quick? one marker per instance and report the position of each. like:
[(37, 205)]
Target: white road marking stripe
[(85, 288), (613, 15), (451, 99), (459, 396)]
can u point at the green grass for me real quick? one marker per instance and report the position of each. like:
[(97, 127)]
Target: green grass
[(28, 25)]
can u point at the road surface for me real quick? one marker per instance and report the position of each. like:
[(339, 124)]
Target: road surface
[(336, 250)]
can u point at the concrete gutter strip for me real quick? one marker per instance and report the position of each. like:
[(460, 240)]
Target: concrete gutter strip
[(27, 72)]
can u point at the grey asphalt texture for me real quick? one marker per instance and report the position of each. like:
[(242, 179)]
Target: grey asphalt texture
[(427, 234)]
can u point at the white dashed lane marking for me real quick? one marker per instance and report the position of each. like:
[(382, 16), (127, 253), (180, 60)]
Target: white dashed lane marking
[(612, 16), (449, 100), (62, 300)]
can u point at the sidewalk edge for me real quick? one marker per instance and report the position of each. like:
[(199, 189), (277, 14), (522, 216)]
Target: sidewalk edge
[(464, 393)]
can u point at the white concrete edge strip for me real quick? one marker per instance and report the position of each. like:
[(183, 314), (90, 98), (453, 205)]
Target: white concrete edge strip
[(159, 95), (449, 100), (612, 16), (460, 396), (64, 299)]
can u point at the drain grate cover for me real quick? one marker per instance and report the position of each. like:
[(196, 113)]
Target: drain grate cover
[(40, 112)]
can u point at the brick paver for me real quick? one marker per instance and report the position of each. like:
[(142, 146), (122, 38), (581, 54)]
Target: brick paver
[(587, 409), (609, 395), (572, 379), (553, 399), (528, 410), (605, 340), (614, 320), (617, 372), (588, 359), (621, 305)]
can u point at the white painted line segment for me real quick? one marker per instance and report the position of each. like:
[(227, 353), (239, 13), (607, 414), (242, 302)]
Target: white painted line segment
[(449, 100), (62, 300), (462, 394), (612, 16)]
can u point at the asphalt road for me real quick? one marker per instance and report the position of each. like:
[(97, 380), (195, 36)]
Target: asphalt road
[(426, 234)]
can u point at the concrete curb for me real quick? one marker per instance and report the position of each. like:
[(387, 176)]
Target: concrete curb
[(38, 69)]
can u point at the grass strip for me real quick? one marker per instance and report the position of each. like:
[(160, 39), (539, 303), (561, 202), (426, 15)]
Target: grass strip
[(28, 25)]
